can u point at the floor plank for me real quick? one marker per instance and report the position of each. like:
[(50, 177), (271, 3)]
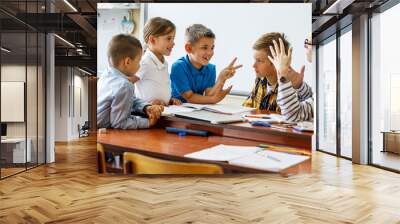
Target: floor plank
[(70, 191)]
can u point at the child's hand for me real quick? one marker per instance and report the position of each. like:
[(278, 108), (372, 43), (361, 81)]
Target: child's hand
[(229, 71), (174, 101), (154, 111), (296, 77), (221, 94), (279, 58), (152, 121), (157, 102)]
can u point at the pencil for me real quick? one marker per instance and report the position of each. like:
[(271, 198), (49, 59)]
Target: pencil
[(285, 150)]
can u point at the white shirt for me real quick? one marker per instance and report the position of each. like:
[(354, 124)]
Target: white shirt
[(154, 83)]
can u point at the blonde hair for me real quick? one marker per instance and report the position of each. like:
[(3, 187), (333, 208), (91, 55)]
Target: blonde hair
[(266, 40), (197, 31), (156, 27), (122, 46)]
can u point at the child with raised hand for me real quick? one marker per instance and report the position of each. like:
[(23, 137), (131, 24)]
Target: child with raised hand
[(154, 83), (193, 78), (293, 106)]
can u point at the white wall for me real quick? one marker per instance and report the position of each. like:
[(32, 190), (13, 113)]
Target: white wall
[(237, 26), (71, 94), (109, 24), (16, 73), (33, 127)]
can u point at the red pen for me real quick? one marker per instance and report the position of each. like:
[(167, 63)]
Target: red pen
[(253, 116)]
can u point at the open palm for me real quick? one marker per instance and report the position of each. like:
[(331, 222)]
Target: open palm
[(280, 59)]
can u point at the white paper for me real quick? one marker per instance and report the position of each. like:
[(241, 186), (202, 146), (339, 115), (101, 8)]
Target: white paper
[(173, 109), (219, 108), (223, 152), (269, 160)]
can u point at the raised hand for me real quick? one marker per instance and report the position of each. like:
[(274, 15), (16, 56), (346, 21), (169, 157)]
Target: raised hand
[(229, 71), (280, 59), (296, 77)]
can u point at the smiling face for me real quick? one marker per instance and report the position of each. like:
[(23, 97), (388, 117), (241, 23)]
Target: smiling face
[(200, 52), (262, 65), (162, 44)]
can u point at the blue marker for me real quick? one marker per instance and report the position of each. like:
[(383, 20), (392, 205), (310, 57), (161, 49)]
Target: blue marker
[(260, 123), (183, 131)]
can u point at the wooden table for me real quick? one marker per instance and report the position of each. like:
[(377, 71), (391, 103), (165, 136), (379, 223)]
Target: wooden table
[(156, 142), (391, 141), (244, 130)]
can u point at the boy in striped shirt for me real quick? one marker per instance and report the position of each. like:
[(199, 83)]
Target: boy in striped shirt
[(296, 104)]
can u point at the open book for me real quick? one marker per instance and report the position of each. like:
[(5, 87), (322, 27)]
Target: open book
[(215, 108), (251, 157), (173, 109), (219, 108)]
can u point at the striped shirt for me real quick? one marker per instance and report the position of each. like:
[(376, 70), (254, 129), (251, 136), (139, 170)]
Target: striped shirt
[(296, 104), (263, 96)]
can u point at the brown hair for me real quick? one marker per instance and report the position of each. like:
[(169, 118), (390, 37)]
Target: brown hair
[(266, 40), (122, 46), (157, 26)]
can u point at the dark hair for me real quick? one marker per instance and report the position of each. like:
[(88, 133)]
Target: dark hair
[(122, 46), (157, 26), (266, 40)]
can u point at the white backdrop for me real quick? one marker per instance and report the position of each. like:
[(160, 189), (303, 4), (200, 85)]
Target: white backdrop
[(108, 25), (237, 26), (12, 101)]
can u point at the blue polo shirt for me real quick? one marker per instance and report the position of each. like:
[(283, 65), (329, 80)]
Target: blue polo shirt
[(185, 77)]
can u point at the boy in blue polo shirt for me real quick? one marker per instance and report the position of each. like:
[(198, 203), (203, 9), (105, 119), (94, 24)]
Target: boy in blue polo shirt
[(192, 77)]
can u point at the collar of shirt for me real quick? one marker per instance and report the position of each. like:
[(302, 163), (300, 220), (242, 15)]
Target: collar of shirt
[(270, 87), (201, 71), (114, 71), (155, 60)]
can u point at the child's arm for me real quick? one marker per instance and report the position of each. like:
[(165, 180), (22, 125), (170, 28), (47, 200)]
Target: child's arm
[(174, 101), (304, 92), (224, 75), (199, 99), (292, 107), (138, 106), (180, 83), (121, 107)]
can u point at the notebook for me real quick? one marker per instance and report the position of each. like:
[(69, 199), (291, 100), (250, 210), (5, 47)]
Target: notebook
[(251, 157), (223, 152), (173, 109), (219, 108), (269, 160), (214, 118)]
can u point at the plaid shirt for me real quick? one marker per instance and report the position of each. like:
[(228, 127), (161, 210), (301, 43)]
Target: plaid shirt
[(263, 96)]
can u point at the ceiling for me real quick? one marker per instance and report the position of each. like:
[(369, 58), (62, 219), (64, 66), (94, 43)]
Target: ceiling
[(76, 23)]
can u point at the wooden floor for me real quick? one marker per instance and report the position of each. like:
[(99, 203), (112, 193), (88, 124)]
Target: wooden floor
[(70, 191), (386, 159)]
